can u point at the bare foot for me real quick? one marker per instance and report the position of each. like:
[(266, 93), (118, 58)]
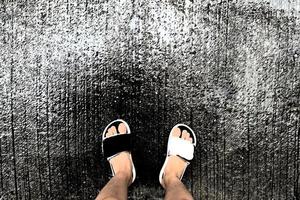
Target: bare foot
[(121, 163), (175, 165)]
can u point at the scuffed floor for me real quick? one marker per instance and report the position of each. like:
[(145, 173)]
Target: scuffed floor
[(230, 69)]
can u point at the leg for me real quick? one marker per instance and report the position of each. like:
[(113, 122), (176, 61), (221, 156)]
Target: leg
[(115, 189), (175, 189)]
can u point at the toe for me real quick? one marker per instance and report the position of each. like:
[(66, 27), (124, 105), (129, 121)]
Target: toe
[(122, 128), (190, 140), (113, 130), (109, 132), (185, 135), (176, 132)]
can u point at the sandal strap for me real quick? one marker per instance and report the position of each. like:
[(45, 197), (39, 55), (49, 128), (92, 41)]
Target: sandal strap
[(116, 144), (180, 147)]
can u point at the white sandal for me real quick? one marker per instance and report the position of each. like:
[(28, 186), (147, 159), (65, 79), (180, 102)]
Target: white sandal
[(179, 147)]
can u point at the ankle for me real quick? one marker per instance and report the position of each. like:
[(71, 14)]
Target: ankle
[(169, 179), (124, 175)]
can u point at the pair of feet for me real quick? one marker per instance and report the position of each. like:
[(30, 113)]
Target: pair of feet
[(122, 166)]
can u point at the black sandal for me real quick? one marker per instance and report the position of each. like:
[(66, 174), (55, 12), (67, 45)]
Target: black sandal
[(113, 145)]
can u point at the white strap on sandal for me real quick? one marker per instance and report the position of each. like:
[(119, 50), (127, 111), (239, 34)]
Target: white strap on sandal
[(179, 147)]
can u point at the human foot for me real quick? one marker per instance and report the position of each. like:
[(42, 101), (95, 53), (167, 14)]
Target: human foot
[(178, 154), (121, 162)]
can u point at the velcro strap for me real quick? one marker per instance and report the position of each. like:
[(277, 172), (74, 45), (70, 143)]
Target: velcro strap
[(180, 147), (116, 144)]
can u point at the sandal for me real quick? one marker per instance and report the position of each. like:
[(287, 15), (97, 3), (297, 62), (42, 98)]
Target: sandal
[(179, 147), (113, 145)]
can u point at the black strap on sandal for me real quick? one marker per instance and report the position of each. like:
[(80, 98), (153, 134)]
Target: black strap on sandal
[(116, 144)]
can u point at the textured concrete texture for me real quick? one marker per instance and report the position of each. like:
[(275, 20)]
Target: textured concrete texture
[(229, 69)]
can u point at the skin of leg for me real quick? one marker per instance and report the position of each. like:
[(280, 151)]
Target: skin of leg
[(115, 189), (175, 189)]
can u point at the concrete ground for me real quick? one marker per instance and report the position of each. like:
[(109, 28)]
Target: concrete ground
[(229, 69)]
